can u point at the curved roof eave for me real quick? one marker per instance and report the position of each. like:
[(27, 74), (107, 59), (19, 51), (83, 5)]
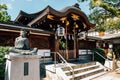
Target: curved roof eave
[(22, 13), (62, 13), (19, 15)]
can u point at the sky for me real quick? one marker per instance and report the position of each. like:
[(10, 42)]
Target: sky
[(33, 6)]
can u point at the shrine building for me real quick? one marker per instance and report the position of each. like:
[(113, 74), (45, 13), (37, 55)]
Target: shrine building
[(62, 31)]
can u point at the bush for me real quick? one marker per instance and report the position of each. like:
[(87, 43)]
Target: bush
[(3, 51)]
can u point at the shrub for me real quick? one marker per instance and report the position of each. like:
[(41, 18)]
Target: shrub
[(3, 51)]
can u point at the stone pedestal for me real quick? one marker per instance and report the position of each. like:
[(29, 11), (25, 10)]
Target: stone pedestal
[(22, 67), (111, 64)]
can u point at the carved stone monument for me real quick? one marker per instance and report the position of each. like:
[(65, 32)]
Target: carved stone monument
[(22, 62)]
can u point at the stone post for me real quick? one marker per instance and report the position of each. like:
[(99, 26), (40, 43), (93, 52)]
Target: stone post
[(22, 67)]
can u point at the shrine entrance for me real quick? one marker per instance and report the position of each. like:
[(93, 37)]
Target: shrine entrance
[(67, 40), (66, 48)]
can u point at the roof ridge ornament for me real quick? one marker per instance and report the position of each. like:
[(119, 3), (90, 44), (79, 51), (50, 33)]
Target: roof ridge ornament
[(76, 5)]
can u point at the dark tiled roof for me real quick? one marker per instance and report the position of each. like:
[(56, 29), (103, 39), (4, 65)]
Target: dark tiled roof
[(49, 10)]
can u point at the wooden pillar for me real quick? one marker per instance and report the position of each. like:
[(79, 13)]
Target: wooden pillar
[(74, 43), (67, 56), (56, 48), (56, 44), (77, 48)]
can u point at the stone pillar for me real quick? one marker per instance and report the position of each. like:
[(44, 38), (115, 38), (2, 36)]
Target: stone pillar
[(22, 67)]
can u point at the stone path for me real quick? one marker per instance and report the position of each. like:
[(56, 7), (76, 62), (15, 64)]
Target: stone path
[(109, 76)]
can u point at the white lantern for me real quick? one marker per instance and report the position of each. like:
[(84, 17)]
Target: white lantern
[(60, 31), (110, 46), (82, 35)]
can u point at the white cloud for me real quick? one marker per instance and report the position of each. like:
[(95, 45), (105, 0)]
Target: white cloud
[(9, 6)]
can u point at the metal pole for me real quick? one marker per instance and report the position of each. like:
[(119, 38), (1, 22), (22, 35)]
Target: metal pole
[(44, 58), (93, 56), (55, 61)]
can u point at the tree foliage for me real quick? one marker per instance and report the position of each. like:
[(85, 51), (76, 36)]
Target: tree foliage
[(4, 17), (3, 51), (102, 10), (112, 24), (62, 44), (107, 5)]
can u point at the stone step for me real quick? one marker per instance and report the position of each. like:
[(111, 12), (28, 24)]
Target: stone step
[(79, 66), (46, 59), (83, 69), (94, 76), (86, 74)]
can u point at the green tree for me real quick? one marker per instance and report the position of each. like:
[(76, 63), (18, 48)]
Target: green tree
[(4, 17), (3, 51), (104, 13), (108, 5)]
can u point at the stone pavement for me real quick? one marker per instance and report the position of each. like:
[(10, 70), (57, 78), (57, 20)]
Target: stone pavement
[(109, 76)]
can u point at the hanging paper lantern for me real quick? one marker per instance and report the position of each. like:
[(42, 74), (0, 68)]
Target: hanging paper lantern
[(82, 35), (60, 31), (110, 45)]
